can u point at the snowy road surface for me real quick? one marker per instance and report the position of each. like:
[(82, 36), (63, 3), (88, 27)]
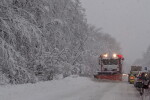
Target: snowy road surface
[(71, 89)]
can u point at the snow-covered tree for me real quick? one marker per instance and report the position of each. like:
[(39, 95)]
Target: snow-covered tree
[(42, 38)]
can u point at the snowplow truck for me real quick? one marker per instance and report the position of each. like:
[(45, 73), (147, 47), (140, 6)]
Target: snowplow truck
[(110, 67)]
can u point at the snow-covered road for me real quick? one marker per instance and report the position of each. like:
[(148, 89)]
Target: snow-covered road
[(79, 88)]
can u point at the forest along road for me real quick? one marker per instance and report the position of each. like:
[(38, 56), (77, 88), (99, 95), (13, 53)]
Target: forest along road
[(71, 88)]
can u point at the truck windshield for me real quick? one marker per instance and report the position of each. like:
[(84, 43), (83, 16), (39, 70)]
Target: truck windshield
[(110, 61)]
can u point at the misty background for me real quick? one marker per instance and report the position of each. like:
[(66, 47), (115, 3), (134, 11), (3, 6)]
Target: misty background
[(128, 21)]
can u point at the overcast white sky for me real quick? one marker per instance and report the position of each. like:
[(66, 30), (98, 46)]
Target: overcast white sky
[(126, 20)]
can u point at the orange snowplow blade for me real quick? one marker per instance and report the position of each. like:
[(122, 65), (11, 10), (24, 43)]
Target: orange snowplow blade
[(109, 77)]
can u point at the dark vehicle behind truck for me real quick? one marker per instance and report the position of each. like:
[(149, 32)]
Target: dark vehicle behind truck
[(144, 78)]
